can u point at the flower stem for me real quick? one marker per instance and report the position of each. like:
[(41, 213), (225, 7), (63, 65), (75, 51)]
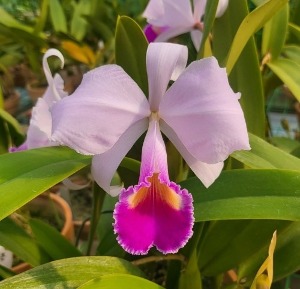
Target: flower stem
[(98, 199)]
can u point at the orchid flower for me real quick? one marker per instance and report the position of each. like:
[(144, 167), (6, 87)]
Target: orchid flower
[(39, 130), (199, 113), (170, 18)]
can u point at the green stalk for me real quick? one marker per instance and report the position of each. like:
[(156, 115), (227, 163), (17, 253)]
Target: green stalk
[(98, 199)]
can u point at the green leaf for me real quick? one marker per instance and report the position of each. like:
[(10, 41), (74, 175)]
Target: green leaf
[(209, 17), (14, 129), (78, 23), (286, 144), (123, 281), (292, 52), (69, 273), (9, 21), (5, 272), (251, 23), (4, 137), (190, 277), (252, 97), (288, 72), (130, 49), (228, 244), (15, 239), (247, 194), (287, 252), (58, 17), (24, 175), (45, 234), (265, 156), (295, 30), (42, 19), (108, 245), (275, 33), (131, 164)]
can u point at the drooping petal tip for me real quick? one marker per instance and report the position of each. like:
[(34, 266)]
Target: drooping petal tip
[(154, 213)]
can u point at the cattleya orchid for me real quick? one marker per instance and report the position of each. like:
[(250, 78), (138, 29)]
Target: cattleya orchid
[(199, 113), (170, 18), (39, 130)]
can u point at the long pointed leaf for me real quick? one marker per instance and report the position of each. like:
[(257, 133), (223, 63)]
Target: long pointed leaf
[(131, 46), (252, 23), (266, 156), (288, 72), (69, 273), (123, 281), (247, 194), (24, 175)]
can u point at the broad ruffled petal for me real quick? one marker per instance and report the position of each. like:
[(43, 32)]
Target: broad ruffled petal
[(207, 173), (222, 6), (102, 108), (169, 13), (196, 36), (156, 212), (105, 165), (153, 214), (39, 130), (164, 61), (205, 113)]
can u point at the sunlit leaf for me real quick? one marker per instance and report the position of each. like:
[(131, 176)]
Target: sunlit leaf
[(24, 175), (123, 281), (69, 273), (58, 17), (292, 52), (275, 33), (252, 22), (288, 72)]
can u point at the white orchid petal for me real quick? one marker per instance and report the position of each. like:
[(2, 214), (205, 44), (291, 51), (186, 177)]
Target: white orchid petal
[(196, 36), (199, 9), (207, 173), (169, 13), (164, 60), (105, 165), (205, 113), (38, 134), (102, 108)]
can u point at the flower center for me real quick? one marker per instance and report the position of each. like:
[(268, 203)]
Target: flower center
[(155, 193), (154, 116), (199, 26)]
